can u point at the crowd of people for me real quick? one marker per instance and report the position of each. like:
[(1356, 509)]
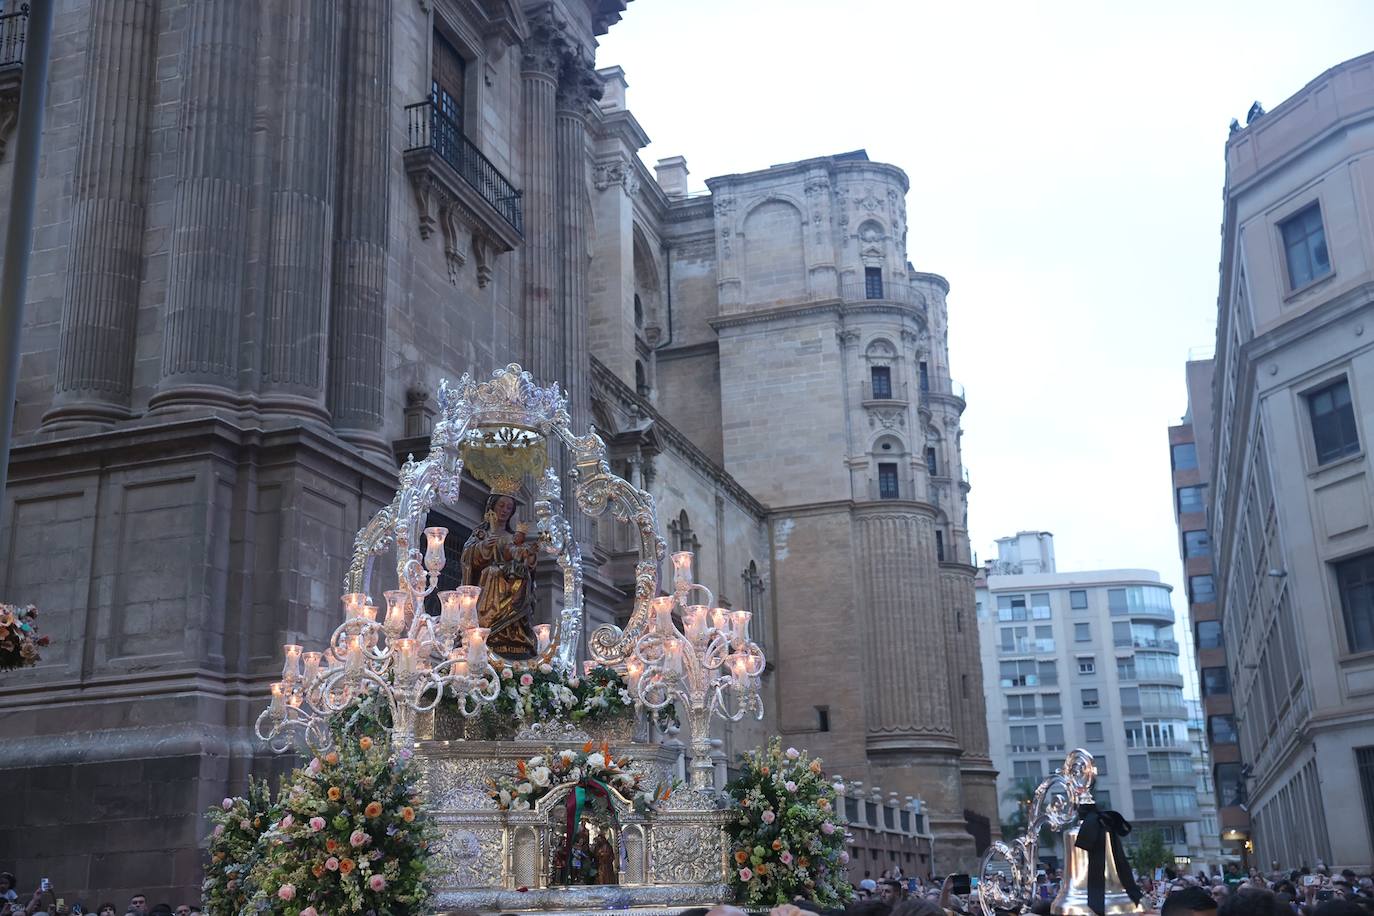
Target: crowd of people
[(45, 901)]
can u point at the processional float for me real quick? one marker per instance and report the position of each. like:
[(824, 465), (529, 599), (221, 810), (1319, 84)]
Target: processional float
[(439, 674)]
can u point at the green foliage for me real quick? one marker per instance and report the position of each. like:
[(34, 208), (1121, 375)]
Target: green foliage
[(237, 824), (549, 694), (1149, 851), (786, 832), (1022, 791)]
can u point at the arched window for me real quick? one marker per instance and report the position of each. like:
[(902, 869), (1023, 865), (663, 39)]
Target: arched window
[(683, 536), (639, 311), (641, 379), (753, 601)]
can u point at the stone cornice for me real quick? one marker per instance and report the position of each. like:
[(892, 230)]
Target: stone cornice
[(687, 351), (679, 443), (621, 125)]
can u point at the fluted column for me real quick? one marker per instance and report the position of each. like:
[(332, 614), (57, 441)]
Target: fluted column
[(542, 333), (577, 90), (357, 332), (208, 251), (95, 359), (301, 228)]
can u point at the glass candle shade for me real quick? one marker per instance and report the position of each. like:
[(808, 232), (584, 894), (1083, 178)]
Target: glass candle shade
[(662, 608), (434, 548), (682, 569), (353, 604), (467, 604), (312, 666), (739, 627), (634, 670), (672, 657), (405, 657), (543, 634), (696, 620), (720, 619), (278, 706), (475, 638), (397, 604), (291, 668)]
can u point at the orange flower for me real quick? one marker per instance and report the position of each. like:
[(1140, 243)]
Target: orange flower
[(803, 861), (816, 767), (764, 770), (373, 809), (346, 866), (741, 856), (407, 814), (520, 768), (365, 743), (331, 758), (606, 749), (317, 871), (587, 748), (777, 845), (334, 793), (219, 857), (331, 845), (825, 804), (761, 868)]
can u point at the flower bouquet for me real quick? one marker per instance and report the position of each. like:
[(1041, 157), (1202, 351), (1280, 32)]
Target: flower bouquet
[(19, 639), (554, 694), (592, 770), (349, 838), (787, 833), (238, 822)]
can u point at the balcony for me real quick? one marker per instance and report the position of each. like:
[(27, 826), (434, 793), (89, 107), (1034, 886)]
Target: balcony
[(893, 394), (1146, 613), (1027, 646), (458, 189), (860, 291), (14, 31)]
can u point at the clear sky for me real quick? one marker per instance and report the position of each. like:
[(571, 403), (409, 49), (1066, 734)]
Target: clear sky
[(1066, 164)]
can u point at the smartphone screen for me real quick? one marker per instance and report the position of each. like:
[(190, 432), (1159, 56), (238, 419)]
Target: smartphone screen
[(960, 885)]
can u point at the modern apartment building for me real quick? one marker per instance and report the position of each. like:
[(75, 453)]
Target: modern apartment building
[(1289, 500), (1190, 463), (1088, 659)]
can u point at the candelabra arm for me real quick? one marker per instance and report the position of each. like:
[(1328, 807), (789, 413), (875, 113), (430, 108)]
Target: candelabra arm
[(703, 769)]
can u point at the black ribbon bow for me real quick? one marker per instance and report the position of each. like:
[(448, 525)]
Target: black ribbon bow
[(1097, 830)]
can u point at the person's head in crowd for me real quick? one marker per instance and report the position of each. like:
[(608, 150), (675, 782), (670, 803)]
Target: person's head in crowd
[(183, 909), (918, 907), (1190, 901), (138, 903), (162, 909), (107, 909), (868, 885), (870, 907), (1041, 907), (890, 892), (1219, 892), (1251, 901), (1339, 907), (9, 889)]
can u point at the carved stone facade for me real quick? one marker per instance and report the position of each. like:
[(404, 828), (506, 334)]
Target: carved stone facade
[(232, 304)]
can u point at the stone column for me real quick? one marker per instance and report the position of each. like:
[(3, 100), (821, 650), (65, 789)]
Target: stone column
[(542, 333), (95, 359), (578, 88), (208, 256), (357, 329), (305, 34)]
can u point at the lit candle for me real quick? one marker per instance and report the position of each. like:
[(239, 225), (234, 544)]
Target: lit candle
[(476, 640), (405, 657), (739, 666), (369, 613), (448, 609), (739, 627), (354, 662), (682, 569), (695, 622), (292, 667), (467, 604), (672, 657), (312, 666), (276, 708), (434, 550), (720, 618), (397, 602), (663, 613), (293, 699), (634, 670), (543, 634), (458, 662), (353, 604)]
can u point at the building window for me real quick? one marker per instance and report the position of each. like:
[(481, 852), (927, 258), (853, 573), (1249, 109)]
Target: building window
[(1092, 732), (1196, 543), (1086, 665), (1201, 589), (1116, 600), (1028, 770), (1230, 786), (822, 718), (1184, 456), (1019, 674), (940, 546), (1021, 706), (1011, 607), (963, 686), (1138, 765), (1364, 765), (1333, 422), (1192, 499), (1014, 639), (1040, 605), (1222, 729), (639, 311), (1025, 738), (1215, 682), (881, 376), (887, 481), (873, 283), (1049, 704), (1054, 737), (932, 466), (1209, 634), (1304, 246), (1078, 599), (1047, 674), (1125, 668), (1082, 632), (448, 82), (641, 380), (1090, 698), (1104, 798), (924, 372), (1100, 761), (1356, 580)]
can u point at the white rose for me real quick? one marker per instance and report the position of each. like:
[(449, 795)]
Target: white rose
[(505, 798), (576, 774), (546, 669), (566, 756), (541, 776), (524, 788), (596, 761), (536, 761), (522, 805)]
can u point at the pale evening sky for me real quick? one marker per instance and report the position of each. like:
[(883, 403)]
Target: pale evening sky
[(1066, 165)]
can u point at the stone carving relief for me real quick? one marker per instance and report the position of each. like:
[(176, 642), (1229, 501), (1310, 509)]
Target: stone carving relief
[(613, 172), (469, 858), (725, 216), (868, 201), (886, 418), (677, 857)]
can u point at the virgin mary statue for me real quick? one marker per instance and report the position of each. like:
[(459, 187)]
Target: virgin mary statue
[(501, 561)]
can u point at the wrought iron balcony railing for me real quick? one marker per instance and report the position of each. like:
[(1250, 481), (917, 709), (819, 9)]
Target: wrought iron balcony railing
[(429, 128), (14, 30)]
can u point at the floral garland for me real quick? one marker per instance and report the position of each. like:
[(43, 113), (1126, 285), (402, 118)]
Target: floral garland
[(350, 838), (19, 639), (590, 767), (787, 832), (549, 693), (238, 822)]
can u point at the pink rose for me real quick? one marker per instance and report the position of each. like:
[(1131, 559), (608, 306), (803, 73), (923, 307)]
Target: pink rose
[(245, 825), (219, 830), (376, 882), (793, 753), (844, 858), (769, 817), (287, 892), (317, 823), (827, 828), (786, 857), (790, 786), (315, 765), (332, 863), (358, 838), (309, 911), (526, 679), (746, 875), (287, 821), (574, 683), (227, 804)]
